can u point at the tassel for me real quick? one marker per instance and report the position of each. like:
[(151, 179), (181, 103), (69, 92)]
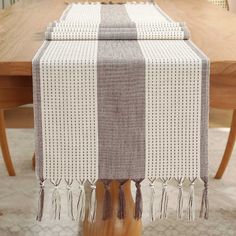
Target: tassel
[(107, 206), (70, 199), (93, 203), (138, 200), (121, 209), (40, 200), (164, 199), (205, 201), (191, 202), (180, 198), (56, 201), (81, 202), (152, 200)]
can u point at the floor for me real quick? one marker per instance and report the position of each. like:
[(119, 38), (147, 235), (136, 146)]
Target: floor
[(18, 196)]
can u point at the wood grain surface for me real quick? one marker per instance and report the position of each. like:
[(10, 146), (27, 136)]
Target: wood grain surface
[(22, 31)]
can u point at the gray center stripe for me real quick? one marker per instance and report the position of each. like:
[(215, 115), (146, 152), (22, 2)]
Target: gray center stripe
[(115, 17), (121, 109)]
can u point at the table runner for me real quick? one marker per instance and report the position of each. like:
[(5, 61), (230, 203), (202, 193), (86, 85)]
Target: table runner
[(115, 22), (119, 110)]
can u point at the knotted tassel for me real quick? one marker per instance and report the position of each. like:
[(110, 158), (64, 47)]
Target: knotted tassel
[(138, 209), (107, 206), (164, 199), (180, 198), (121, 207), (40, 200), (56, 201), (69, 199), (81, 202), (93, 203), (191, 201), (152, 201), (205, 202)]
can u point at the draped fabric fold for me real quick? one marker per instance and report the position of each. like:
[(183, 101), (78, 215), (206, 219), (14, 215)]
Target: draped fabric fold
[(120, 93)]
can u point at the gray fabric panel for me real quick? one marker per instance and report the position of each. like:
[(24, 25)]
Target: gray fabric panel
[(117, 34), (115, 16), (204, 109), (38, 112), (121, 110)]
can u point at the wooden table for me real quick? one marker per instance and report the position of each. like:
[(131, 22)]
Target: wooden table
[(21, 34)]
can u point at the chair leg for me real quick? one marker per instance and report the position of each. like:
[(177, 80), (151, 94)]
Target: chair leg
[(4, 146), (33, 162), (229, 148)]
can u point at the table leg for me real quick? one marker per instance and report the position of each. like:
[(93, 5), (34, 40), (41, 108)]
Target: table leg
[(114, 227)]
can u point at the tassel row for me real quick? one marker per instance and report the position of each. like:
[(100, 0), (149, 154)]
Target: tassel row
[(180, 201), (204, 212), (92, 204), (164, 198), (121, 200), (107, 204), (56, 201), (41, 200), (81, 202)]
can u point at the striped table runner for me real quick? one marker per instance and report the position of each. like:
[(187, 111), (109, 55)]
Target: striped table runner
[(120, 109)]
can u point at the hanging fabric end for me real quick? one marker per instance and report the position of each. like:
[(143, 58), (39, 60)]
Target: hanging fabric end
[(191, 201), (40, 200), (138, 200), (152, 200), (69, 199), (107, 206), (180, 198), (56, 201), (121, 207), (93, 203), (204, 212), (81, 202), (164, 199)]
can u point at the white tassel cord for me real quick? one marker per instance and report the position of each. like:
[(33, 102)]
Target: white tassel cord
[(180, 198), (93, 203), (164, 198), (40, 200), (69, 199), (152, 200), (191, 201), (81, 202), (205, 202), (56, 200)]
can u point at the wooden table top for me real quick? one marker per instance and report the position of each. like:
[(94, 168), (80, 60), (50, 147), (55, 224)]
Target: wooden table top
[(22, 32)]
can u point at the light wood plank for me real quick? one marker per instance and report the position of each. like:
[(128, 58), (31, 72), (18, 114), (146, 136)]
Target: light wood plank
[(202, 17)]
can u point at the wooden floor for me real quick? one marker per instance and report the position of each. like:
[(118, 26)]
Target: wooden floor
[(22, 117)]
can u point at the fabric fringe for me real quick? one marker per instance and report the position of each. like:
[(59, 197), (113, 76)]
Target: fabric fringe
[(138, 200), (81, 202), (204, 212), (56, 201), (121, 207), (164, 198), (93, 203), (107, 206), (69, 199), (152, 200), (180, 201), (40, 200), (191, 201)]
